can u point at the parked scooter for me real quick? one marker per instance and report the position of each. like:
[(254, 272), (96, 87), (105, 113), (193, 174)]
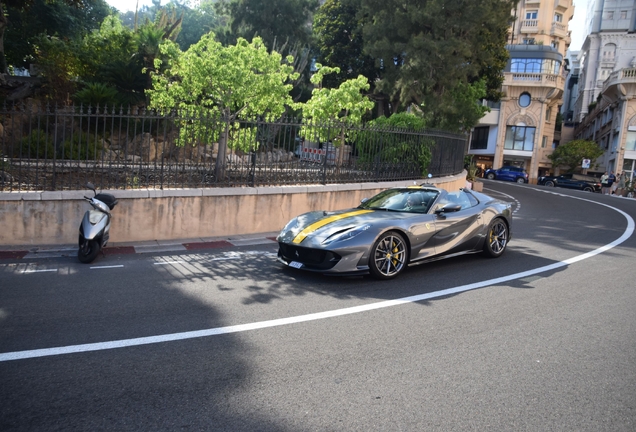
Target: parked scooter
[(95, 228)]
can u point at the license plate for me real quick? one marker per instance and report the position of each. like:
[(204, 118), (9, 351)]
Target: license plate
[(295, 264)]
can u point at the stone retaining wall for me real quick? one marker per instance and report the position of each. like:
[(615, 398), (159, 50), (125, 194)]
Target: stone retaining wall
[(49, 218)]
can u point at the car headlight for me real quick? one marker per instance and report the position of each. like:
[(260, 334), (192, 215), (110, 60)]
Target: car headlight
[(346, 235)]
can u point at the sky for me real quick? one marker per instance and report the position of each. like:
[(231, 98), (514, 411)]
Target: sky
[(577, 24)]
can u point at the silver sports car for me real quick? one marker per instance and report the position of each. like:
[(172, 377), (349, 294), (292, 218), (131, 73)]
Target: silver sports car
[(397, 227)]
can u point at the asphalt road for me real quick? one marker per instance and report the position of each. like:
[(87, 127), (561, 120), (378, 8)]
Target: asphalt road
[(541, 339)]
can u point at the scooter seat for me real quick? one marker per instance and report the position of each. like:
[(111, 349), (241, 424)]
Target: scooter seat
[(107, 199)]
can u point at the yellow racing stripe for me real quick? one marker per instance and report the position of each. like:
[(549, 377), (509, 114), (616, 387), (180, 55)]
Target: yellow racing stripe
[(321, 223)]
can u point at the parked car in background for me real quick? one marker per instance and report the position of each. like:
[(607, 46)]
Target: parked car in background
[(509, 173), (572, 181)]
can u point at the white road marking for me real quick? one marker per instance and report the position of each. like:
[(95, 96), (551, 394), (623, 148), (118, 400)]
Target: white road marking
[(518, 204), (39, 271), (169, 262), (20, 355), (106, 267)]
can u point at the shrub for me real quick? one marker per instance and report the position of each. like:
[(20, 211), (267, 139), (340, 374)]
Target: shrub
[(36, 145), (81, 146)]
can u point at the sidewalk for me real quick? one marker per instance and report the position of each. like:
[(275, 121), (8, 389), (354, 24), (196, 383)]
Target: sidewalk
[(181, 245)]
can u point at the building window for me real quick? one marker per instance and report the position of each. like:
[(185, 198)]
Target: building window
[(623, 14), (609, 52), (609, 15), (519, 138), (558, 17), (630, 143), (532, 14), (528, 41), (548, 115), (479, 140), (544, 141), (555, 45), (523, 65), (524, 100)]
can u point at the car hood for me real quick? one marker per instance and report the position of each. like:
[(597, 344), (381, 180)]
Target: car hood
[(320, 225)]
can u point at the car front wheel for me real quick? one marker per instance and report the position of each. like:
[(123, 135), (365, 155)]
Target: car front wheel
[(496, 238), (490, 176), (389, 256), (588, 189)]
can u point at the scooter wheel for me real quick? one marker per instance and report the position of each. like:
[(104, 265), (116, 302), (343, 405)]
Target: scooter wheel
[(88, 251)]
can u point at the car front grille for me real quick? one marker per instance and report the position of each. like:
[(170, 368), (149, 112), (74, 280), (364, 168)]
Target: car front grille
[(315, 259)]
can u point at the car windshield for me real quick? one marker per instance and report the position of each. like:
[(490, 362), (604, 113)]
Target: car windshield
[(411, 200)]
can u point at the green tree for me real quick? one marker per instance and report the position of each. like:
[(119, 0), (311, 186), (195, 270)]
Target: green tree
[(433, 51), (571, 154), (198, 21), (281, 20), (337, 109), (338, 35), (242, 79), (26, 20)]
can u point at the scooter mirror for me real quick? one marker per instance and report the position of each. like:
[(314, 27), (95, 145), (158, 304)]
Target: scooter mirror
[(90, 186)]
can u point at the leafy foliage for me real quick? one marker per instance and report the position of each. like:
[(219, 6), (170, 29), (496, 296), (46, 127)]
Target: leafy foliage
[(571, 155), (432, 52), (81, 146), (283, 20), (223, 81), (338, 33), (345, 104), (98, 94), (36, 145), (65, 19), (380, 141)]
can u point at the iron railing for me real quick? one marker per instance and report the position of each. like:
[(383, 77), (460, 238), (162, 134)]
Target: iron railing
[(64, 148)]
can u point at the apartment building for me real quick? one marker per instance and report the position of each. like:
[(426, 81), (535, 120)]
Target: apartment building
[(605, 108), (519, 130)]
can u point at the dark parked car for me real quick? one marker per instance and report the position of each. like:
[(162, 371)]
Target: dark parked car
[(572, 181), (509, 173), (394, 229)]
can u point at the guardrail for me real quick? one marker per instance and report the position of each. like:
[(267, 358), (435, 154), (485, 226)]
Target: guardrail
[(62, 149)]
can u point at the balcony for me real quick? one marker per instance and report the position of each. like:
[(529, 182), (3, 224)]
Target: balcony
[(534, 80), (561, 5), (529, 26), (623, 76), (559, 30)]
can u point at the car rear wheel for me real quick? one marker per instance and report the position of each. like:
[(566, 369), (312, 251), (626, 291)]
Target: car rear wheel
[(389, 256), (496, 238), (521, 180), (549, 183), (490, 176)]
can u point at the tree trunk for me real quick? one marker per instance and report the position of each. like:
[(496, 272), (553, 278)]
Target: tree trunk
[(219, 169)]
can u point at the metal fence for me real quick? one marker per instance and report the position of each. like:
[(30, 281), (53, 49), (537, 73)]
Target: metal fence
[(64, 148)]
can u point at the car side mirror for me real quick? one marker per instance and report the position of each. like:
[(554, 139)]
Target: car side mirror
[(363, 200), (448, 208)]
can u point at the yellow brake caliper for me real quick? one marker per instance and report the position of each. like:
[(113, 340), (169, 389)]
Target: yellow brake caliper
[(395, 251)]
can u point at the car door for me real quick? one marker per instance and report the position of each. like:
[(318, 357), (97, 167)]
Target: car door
[(503, 174), (566, 181), (457, 231)]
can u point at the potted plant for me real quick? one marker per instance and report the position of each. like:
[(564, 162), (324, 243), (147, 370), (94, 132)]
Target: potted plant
[(471, 178)]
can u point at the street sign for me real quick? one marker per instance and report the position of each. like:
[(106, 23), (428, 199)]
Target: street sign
[(586, 163)]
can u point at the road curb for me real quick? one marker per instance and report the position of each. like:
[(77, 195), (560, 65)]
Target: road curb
[(27, 252)]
